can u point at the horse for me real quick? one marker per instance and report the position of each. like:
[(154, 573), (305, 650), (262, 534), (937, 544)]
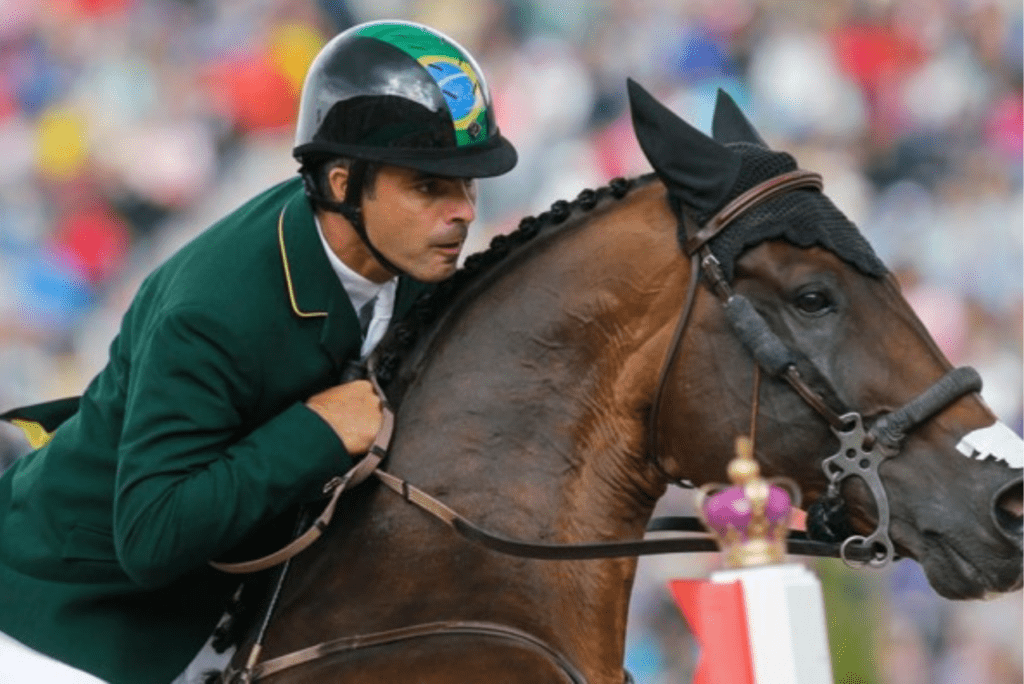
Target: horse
[(562, 380)]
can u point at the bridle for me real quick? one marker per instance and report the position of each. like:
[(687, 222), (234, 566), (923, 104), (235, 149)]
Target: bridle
[(861, 452)]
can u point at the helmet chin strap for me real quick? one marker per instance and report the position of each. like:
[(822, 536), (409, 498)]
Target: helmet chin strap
[(350, 208)]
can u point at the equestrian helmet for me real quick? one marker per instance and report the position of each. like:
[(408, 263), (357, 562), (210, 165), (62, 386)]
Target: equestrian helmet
[(400, 93)]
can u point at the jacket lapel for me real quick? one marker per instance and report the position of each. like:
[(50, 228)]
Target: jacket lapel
[(312, 288)]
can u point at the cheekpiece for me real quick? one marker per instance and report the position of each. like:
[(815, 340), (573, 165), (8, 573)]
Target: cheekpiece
[(750, 519)]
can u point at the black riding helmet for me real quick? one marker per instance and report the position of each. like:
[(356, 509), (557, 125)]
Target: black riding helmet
[(398, 93)]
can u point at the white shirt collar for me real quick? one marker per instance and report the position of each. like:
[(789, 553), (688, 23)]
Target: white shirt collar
[(360, 290)]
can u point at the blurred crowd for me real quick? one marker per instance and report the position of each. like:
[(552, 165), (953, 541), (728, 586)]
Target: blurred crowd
[(127, 126)]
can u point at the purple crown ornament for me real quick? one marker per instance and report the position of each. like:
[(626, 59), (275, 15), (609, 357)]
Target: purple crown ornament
[(750, 520)]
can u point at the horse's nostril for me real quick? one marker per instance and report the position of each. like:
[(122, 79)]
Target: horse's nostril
[(1009, 508)]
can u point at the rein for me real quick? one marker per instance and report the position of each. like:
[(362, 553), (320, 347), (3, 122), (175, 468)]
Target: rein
[(860, 452), (256, 671)]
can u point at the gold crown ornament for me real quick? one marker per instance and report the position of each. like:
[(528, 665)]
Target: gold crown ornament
[(750, 518)]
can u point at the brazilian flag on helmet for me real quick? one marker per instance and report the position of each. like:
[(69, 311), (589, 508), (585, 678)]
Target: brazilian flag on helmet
[(404, 94)]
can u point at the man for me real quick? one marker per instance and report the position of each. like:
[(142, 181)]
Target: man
[(221, 407)]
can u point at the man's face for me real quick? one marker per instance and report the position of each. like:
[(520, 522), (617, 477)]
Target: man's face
[(418, 221)]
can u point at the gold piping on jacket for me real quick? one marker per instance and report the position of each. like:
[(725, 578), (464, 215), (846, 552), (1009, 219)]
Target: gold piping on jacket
[(288, 274), (35, 433)]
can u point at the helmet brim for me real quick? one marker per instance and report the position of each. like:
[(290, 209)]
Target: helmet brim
[(494, 157)]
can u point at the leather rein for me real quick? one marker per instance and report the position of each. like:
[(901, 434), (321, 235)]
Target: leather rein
[(860, 454)]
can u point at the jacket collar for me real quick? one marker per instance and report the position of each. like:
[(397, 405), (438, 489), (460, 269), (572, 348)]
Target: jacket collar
[(313, 289)]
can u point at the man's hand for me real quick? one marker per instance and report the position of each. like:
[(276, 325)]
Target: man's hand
[(353, 411)]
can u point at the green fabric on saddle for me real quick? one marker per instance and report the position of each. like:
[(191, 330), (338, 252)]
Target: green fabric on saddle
[(38, 421)]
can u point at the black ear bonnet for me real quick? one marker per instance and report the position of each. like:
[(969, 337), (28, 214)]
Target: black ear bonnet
[(804, 218), (703, 174)]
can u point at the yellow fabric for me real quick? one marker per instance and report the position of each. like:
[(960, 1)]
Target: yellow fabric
[(36, 434)]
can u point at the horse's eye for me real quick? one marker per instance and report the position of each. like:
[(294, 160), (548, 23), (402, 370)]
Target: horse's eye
[(813, 302)]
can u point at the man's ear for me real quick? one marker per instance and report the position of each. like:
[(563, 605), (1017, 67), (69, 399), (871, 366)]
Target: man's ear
[(337, 180)]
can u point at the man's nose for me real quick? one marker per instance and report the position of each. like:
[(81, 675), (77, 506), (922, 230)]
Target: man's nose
[(464, 203)]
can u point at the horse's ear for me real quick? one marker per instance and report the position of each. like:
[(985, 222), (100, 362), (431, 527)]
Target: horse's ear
[(730, 125), (698, 171)]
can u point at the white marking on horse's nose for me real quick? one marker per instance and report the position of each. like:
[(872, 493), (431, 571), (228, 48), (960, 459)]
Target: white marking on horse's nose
[(997, 441)]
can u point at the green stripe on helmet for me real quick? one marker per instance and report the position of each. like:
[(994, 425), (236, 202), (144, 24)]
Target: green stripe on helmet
[(452, 70)]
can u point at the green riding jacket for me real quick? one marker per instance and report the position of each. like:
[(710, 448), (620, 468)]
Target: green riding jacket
[(191, 438)]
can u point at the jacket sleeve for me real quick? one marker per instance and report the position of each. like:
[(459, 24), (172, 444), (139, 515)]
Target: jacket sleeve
[(191, 482)]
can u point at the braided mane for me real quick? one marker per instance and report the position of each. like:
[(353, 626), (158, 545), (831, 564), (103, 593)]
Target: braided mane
[(432, 304)]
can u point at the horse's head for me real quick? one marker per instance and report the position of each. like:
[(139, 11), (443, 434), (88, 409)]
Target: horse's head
[(844, 369)]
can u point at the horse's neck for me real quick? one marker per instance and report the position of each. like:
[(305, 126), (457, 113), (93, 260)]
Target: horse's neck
[(540, 388)]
